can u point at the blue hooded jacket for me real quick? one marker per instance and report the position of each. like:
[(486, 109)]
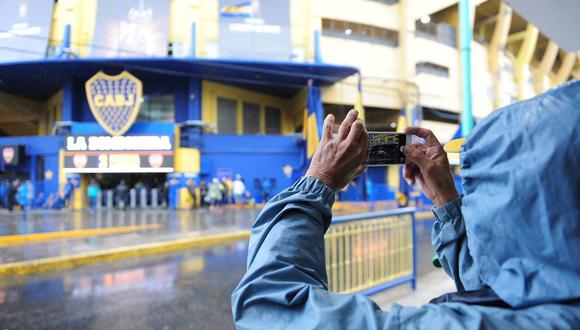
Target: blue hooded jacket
[(515, 231)]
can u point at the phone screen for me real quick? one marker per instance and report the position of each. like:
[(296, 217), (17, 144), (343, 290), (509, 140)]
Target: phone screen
[(386, 148)]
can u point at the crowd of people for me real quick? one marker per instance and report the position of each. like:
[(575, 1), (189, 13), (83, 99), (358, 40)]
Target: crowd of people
[(22, 194), (217, 192), (226, 191)]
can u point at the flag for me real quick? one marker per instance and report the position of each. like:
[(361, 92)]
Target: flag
[(402, 122), (243, 9), (359, 102), (312, 119)]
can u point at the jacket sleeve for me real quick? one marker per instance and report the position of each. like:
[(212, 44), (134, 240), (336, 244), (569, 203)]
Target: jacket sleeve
[(449, 240), (285, 285), (285, 282)]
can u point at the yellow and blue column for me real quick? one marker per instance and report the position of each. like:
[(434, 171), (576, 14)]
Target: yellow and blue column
[(188, 135)]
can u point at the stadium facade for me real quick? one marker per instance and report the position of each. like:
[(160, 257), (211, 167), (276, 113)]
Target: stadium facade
[(189, 90)]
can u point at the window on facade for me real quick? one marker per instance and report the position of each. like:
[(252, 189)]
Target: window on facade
[(376, 119), (361, 32), (251, 118), (273, 121), (387, 2), (440, 32), (157, 108), (227, 116), (440, 115), (339, 111), (381, 119), (432, 68)]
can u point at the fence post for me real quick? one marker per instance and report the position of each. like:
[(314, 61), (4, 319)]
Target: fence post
[(414, 281)]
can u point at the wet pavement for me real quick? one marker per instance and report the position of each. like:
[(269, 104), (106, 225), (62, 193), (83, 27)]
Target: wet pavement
[(143, 226), (150, 226), (188, 290), (185, 290)]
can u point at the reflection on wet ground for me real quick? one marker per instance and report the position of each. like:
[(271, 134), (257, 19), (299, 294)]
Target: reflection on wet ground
[(142, 226), (190, 289), (43, 221), (185, 290), (171, 225)]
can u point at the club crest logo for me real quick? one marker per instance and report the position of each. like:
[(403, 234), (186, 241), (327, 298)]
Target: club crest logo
[(114, 100), (80, 161), (155, 160), (8, 154)]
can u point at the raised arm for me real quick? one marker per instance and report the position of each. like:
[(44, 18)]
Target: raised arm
[(285, 285), (428, 164)]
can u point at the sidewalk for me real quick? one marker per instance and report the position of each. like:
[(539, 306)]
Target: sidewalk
[(429, 286)]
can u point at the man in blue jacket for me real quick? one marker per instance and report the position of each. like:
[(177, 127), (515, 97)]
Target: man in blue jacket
[(510, 243)]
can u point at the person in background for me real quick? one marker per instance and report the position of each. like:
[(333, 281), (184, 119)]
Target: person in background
[(204, 199), (137, 186), (50, 200), (266, 189), (239, 189), (122, 190), (163, 194), (22, 196), (225, 191), (3, 194), (215, 192), (68, 191), (12, 190), (30, 193), (59, 202), (40, 200), (229, 184), (258, 187), (192, 189), (249, 199), (93, 191)]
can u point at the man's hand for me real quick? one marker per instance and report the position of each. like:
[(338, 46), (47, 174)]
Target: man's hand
[(428, 163), (338, 160)]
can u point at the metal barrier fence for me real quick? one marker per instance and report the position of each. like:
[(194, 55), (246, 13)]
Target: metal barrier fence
[(371, 252)]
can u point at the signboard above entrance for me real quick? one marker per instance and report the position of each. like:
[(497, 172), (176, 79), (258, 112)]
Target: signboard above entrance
[(118, 143), (118, 154), (114, 100)]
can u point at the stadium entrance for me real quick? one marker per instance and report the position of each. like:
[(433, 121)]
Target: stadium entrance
[(127, 190), (120, 171)]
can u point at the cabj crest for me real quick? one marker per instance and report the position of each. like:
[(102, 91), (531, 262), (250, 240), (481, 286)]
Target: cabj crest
[(114, 100)]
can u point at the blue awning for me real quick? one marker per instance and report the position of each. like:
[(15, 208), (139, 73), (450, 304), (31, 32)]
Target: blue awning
[(41, 79)]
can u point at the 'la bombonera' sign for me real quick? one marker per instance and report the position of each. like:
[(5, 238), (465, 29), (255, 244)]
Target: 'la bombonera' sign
[(118, 154)]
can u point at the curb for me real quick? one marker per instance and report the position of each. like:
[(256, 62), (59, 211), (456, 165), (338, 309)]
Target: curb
[(12, 240), (74, 260)]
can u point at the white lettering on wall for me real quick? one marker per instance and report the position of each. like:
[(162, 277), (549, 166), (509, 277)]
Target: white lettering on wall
[(118, 143)]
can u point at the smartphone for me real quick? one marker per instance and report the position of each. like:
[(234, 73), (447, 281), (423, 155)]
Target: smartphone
[(386, 148)]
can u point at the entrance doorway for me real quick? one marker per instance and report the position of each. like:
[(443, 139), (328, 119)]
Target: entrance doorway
[(128, 190)]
